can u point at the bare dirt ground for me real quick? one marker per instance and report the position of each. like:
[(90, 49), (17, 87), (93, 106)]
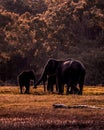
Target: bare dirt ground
[(36, 112)]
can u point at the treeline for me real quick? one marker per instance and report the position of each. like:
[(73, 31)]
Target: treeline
[(31, 31)]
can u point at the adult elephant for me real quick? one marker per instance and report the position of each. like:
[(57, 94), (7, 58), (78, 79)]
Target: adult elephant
[(24, 80), (70, 72)]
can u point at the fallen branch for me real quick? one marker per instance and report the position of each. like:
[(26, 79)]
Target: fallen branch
[(76, 106)]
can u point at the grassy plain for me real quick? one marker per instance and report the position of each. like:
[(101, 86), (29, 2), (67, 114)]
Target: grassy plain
[(35, 111)]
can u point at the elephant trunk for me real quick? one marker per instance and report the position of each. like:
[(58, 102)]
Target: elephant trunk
[(42, 78)]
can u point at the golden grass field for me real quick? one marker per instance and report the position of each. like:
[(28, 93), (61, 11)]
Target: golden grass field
[(35, 111)]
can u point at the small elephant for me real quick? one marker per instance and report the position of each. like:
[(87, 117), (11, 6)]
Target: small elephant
[(24, 80), (70, 72)]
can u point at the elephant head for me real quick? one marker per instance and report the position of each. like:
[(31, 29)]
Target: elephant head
[(31, 75), (49, 69)]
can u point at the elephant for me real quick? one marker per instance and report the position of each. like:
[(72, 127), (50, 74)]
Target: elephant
[(70, 72), (24, 80)]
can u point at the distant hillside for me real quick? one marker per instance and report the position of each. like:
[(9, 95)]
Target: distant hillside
[(31, 31)]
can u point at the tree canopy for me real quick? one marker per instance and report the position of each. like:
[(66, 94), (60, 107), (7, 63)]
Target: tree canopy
[(31, 31)]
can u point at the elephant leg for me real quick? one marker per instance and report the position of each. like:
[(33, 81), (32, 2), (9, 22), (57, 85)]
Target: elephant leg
[(51, 87), (27, 89), (21, 89), (61, 88), (73, 88), (81, 88), (57, 89), (81, 83), (44, 83), (44, 86), (69, 85), (61, 91), (48, 86), (76, 90), (67, 89)]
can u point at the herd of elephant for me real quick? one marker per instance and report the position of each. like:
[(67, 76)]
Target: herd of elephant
[(67, 72)]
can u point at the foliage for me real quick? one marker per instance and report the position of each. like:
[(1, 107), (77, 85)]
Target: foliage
[(31, 31)]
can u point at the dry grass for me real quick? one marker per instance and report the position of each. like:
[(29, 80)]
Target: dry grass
[(35, 111)]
